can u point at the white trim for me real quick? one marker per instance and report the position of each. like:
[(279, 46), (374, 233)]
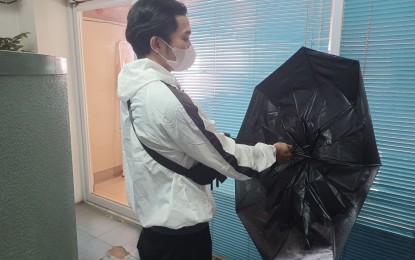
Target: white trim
[(90, 5), (113, 207), (103, 21), (81, 108), (336, 24), (78, 97), (122, 216)]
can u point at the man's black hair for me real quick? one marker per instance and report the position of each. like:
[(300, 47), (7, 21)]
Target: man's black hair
[(148, 18)]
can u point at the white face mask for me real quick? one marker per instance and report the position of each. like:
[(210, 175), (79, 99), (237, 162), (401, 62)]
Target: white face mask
[(184, 58)]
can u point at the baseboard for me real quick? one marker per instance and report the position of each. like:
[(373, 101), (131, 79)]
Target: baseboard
[(108, 174)]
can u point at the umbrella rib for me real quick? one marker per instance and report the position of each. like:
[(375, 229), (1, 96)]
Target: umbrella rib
[(309, 64), (329, 123), (331, 161), (332, 121), (319, 203)]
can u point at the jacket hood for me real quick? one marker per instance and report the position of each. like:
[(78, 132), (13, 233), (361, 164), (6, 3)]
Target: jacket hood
[(137, 74)]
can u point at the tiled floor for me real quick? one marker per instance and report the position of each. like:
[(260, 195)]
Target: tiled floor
[(99, 232)]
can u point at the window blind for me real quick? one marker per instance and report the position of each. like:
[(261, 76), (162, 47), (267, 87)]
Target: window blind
[(381, 35), (238, 44)]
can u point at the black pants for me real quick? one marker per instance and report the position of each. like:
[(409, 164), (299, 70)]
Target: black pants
[(153, 245)]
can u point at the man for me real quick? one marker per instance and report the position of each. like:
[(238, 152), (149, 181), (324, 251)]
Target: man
[(173, 210)]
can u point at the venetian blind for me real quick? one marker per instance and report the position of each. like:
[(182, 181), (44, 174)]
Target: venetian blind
[(381, 35), (238, 44)]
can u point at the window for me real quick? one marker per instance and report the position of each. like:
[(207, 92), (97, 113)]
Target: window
[(381, 35), (238, 44)]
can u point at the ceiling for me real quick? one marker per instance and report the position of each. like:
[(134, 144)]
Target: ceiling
[(116, 14)]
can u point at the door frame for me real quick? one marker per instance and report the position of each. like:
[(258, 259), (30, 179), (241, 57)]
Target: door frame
[(81, 110)]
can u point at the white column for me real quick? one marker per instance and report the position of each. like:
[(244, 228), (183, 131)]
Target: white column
[(336, 26)]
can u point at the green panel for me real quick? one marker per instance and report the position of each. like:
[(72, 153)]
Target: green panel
[(37, 219)]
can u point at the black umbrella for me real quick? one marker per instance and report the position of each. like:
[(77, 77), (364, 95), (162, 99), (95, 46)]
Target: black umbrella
[(305, 209)]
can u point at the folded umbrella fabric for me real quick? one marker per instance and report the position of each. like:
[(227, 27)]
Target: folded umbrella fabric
[(306, 208)]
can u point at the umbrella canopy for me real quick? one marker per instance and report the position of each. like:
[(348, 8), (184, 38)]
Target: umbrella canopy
[(305, 209)]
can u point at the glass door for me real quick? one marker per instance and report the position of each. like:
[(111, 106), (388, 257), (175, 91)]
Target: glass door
[(102, 51)]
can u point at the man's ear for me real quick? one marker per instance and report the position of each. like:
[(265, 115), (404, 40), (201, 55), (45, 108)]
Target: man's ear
[(155, 44)]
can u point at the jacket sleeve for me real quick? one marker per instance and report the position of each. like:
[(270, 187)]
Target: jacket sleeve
[(198, 138)]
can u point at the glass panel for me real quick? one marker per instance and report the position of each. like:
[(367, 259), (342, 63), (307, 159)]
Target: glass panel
[(105, 51)]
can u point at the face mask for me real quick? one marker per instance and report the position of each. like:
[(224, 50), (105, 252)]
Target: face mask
[(184, 58)]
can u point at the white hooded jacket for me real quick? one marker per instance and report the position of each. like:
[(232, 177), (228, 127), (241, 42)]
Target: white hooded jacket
[(167, 121)]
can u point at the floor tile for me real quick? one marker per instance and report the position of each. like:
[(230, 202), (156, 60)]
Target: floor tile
[(131, 247), (99, 231), (83, 236), (93, 249), (120, 235), (96, 223)]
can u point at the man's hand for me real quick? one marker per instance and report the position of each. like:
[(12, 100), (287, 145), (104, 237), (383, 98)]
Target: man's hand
[(284, 151)]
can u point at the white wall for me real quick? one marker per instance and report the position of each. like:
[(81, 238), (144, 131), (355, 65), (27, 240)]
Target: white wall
[(27, 24), (51, 22), (9, 20), (18, 18), (48, 24), (52, 33)]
